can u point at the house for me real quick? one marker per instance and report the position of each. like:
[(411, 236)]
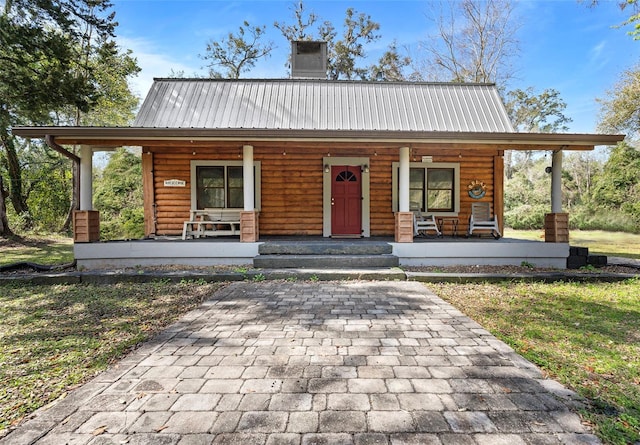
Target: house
[(313, 157)]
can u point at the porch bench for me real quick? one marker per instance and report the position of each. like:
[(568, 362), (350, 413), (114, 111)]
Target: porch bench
[(212, 222)]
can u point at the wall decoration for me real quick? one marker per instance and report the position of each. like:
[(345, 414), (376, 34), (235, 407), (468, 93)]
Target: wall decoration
[(175, 183), (477, 189)]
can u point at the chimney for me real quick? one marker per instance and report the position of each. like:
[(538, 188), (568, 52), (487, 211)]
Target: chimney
[(308, 60)]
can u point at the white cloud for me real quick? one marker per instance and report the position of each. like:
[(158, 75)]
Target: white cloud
[(153, 63), (598, 57)]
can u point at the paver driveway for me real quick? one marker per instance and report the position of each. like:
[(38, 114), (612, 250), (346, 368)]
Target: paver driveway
[(316, 363)]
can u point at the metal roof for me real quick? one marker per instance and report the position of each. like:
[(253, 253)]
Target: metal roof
[(294, 104)]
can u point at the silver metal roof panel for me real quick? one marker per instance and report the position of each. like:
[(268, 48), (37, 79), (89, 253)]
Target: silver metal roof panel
[(294, 104)]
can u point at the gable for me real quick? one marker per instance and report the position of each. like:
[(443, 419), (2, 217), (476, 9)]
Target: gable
[(287, 104)]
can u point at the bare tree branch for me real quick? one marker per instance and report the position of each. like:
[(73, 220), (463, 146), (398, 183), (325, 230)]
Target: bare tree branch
[(474, 41)]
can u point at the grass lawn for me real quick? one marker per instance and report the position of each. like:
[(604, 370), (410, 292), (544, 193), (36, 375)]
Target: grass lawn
[(598, 241), (36, 250), (53, 338), (587, 336)]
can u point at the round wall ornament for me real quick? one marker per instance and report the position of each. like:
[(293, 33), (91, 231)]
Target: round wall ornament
[(477, 189)]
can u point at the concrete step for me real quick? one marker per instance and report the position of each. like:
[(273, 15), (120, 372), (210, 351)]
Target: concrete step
[(325, 248), (325, 261)]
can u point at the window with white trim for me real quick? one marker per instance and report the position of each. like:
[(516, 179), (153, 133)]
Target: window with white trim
[(219, 184), (433, 187)]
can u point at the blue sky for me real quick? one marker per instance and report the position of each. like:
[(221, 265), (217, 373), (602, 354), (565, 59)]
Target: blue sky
[(564, 44)]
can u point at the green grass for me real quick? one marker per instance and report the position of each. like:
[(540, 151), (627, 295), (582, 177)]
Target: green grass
[(584, 335), (36, 250), (53, 338), (598, 241)]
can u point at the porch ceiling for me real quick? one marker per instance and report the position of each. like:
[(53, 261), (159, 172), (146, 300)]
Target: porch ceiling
[(107, 137)]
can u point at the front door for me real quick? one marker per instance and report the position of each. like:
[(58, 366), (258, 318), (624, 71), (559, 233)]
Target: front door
[(346, 200)]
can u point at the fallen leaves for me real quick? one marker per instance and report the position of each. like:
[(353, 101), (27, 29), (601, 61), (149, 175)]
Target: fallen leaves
[(100, 430)]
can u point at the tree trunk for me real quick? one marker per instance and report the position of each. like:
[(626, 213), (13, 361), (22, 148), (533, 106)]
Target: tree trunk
[(15, 182), (5, 231), (508, 163)]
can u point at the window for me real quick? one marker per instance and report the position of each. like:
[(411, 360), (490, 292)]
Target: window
[(440, 190), (220, 184), (433, 187), (346, 177)]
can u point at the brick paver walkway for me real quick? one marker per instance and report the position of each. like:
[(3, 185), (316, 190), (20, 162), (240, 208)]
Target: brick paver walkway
[(316, 363)]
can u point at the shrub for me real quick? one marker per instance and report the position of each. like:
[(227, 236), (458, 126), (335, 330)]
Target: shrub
[(611, 220), (526, 217)]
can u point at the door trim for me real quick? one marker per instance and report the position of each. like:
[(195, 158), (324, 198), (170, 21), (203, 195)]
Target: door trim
[(326, 192)]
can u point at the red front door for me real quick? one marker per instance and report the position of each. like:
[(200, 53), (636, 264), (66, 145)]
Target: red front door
[(346, 201)]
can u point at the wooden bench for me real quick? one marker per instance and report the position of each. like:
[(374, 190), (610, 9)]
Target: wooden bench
[(212, 222)]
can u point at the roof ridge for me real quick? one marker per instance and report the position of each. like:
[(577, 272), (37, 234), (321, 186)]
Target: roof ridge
[(290, 80)]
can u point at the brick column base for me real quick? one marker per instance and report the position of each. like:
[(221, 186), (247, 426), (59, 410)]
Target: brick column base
[(404, 227), (86, 226), (556, 228), (249, 227)]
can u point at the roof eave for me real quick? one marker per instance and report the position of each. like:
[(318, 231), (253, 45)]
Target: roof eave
[(134, 135)]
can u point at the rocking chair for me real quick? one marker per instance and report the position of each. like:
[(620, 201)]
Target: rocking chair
[(424, 223), (481, 220)]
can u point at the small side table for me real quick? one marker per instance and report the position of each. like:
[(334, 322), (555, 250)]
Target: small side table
[(452, 221)]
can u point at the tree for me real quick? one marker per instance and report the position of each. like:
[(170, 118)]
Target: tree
[(579, 171), (237, 53), (634, 18), (542, 113), (303, 21), (118, 196), (526, 196), (531, 113), (620, 111), (34, 74), (391, 65), (618, 187), (343, 53), (5, 230), (109, 68), (38, 55), (474, 42)]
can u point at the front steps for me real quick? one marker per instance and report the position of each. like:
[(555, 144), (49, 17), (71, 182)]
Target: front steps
[(325, 255), (580, 257)]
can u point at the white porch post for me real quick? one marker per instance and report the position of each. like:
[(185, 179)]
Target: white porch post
[(86, 221), (556, 182), (249, 228), (404, 217), (86, 177), (403, 187), (556, 223), (247, 176)]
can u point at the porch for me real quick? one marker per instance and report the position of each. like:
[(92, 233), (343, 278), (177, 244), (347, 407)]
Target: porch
[(319, 252)]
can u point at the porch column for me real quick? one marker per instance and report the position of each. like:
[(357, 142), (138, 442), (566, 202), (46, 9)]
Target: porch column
[(556, 182), (556, 223), (404, 217), (86, 221), (249, 217), (86, 177), (403, 187)]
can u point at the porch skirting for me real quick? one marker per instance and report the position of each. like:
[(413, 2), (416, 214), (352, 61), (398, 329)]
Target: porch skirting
[(505, 252), (229, 252)]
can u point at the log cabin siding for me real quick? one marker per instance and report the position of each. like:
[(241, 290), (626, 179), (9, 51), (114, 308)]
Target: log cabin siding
[(292, 176)]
